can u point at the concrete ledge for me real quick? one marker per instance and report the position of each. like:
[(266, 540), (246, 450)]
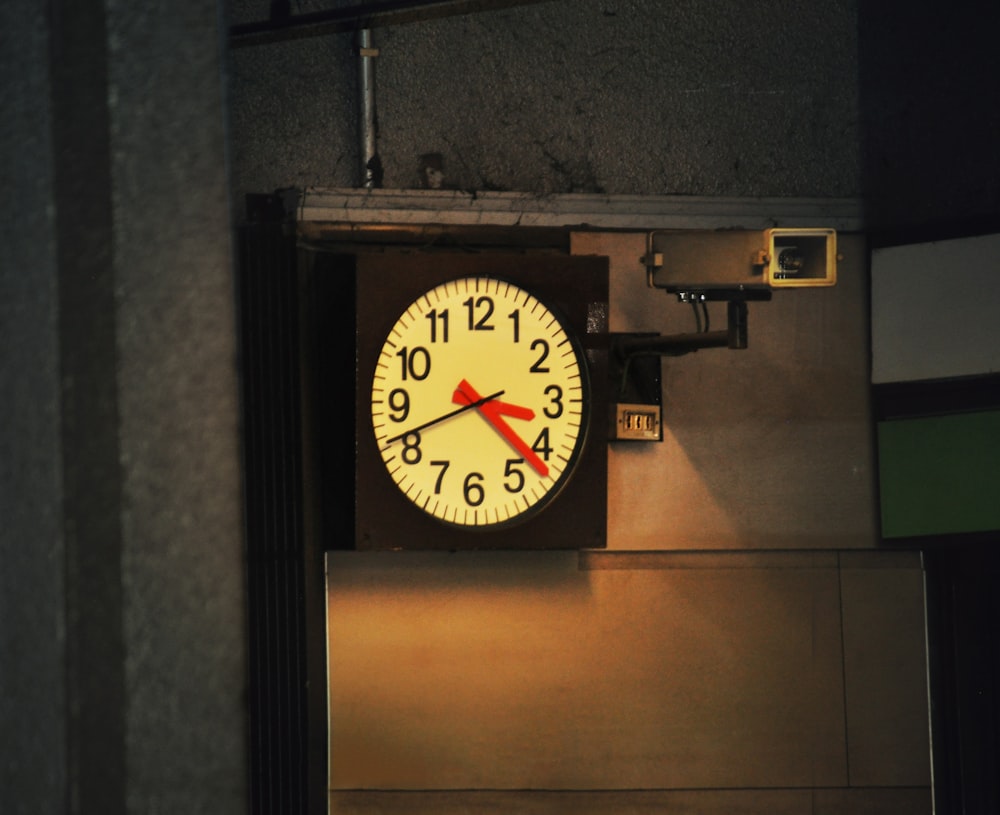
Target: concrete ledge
[(509, 209)]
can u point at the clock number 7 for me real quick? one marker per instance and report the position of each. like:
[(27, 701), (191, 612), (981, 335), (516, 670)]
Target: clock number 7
[(444, 465)]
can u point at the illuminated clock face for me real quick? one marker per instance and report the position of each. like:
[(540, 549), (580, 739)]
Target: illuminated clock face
[(479, 403)]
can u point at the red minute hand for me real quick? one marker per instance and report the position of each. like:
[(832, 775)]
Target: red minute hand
[(491, 410)]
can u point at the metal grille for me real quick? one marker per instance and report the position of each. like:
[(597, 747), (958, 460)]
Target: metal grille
[(275, 547)]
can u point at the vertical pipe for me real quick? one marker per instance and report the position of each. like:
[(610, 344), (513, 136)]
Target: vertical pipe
[(371, 170)]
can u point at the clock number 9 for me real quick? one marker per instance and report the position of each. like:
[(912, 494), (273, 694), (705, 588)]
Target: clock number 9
[(399, 404)]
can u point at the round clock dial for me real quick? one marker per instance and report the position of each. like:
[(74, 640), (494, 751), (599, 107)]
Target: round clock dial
[(479, 403)]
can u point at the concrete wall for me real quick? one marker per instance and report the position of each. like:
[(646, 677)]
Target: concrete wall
[(122, 669)]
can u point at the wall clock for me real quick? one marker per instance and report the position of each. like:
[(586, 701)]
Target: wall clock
[(481, 401)]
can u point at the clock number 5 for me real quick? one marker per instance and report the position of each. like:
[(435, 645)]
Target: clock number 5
[(512, 470)]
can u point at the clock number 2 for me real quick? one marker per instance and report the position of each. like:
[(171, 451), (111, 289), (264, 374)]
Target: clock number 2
[(538, 367)]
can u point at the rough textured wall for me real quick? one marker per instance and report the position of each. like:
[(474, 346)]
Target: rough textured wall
[(182, 561), (122, 636), (32, 614), (588, 96)]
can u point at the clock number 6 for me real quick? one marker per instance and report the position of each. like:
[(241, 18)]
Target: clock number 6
[(473, 489)]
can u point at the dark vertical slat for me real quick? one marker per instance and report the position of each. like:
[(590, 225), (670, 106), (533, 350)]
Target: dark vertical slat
[(92, 481), (276, 565)]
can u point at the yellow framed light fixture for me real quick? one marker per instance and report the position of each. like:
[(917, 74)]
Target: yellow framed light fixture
[(800, 257)]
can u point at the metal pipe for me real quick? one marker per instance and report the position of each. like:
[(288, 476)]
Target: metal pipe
[(371, 166)]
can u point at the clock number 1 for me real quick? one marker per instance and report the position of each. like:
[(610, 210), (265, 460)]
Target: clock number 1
[(515, 318)]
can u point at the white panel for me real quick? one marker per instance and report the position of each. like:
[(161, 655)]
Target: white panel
[(934, 310)]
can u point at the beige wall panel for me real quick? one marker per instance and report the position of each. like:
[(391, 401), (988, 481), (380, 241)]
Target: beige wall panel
[(911, 801), (767, 447), (652, 802), (876, 801), (885, 669), (522, 671)]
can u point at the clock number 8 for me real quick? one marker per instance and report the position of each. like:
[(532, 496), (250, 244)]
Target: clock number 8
[(411, 448)]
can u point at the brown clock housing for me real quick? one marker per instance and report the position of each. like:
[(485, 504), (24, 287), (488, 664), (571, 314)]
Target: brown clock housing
[(386, 283)]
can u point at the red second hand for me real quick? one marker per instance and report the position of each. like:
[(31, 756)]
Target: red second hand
[(465, 394)]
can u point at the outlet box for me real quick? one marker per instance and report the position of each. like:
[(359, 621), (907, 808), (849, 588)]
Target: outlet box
[(638, 422), (636, 393)]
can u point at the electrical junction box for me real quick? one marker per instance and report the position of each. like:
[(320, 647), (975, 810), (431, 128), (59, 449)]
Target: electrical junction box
[(741, 261)]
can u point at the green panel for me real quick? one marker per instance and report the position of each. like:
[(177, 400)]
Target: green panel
[(940, 474)]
